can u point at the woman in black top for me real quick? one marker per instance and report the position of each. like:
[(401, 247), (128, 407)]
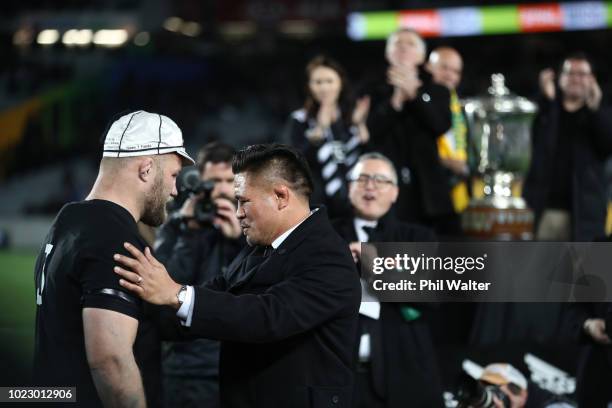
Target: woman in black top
[(330, 130)]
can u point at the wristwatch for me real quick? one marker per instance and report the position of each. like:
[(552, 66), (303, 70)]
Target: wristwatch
[(182, 295)]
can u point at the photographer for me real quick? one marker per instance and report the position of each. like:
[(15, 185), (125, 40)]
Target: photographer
[(500, 385), (196, 244)]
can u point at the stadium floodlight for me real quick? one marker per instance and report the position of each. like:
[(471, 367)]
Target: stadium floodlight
[(110, 38), (173, 24), (48, 37), (191, 29), (142, 38), (238, 30), (77, 37), (298, 28), (68, 39)]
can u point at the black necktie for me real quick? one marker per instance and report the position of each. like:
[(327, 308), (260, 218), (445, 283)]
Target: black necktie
[(369, 231), (267, 251), (249, 265)]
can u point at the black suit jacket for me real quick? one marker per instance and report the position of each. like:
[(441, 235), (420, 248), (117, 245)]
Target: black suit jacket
[(404, 365), (287, 322)]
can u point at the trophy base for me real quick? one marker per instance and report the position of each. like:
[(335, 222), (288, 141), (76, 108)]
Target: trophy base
[(498, 218)]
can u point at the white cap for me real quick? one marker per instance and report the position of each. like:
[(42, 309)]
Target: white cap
[(502, 373), (142, 133)]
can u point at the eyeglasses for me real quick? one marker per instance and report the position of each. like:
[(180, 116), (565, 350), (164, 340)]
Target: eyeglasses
[(379, 182), (579, 74)]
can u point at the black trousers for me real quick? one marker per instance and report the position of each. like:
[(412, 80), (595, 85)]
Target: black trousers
[(364, 395)]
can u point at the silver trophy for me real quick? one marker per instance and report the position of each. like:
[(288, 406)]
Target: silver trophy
[(500, 131)]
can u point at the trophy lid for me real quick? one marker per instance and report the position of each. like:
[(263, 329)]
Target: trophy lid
[(499, 100)]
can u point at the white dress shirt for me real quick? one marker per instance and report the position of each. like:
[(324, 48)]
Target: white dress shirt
[(370, 306)]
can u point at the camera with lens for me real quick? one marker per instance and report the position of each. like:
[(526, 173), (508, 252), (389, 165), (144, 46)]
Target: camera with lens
[(473, 393), (190, 184)]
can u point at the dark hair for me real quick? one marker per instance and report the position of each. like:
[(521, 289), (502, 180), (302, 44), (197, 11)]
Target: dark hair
[(281, 160), (577, 56), (214, 152), (345, 98)]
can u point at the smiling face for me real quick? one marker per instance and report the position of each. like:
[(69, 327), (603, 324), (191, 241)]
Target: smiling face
[(257, 209), (325, 85), (373, 189)]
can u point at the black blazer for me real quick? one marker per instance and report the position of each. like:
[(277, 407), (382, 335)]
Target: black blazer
[(408, 374), (287, 322)]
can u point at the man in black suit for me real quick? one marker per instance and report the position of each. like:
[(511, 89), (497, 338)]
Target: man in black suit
[(409, 114), (286, 311), (396, 359)]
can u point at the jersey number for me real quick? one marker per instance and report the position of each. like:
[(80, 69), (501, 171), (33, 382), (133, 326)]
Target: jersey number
[(41, 285)]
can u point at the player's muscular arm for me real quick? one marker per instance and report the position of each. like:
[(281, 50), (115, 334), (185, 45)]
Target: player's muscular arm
[(109, 338)]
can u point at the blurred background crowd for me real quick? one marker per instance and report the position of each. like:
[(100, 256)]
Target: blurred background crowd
[(332, 78)]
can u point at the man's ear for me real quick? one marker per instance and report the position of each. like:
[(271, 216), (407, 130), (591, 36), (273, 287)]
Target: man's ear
[(145, 169), (395, 194), (281, 192)]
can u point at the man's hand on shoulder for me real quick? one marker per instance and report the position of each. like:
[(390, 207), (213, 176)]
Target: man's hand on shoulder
[(147, 277)]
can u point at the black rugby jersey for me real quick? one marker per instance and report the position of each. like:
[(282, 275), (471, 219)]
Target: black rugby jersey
[(74, 270)]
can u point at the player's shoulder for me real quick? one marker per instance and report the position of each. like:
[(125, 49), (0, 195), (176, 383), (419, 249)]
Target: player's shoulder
[(97, 221), (95, 212), (76, 208)]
